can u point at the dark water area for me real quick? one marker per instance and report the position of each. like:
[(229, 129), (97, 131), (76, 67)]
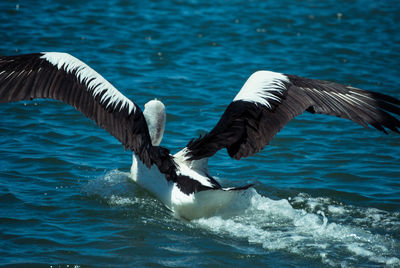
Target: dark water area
[(327, 191)]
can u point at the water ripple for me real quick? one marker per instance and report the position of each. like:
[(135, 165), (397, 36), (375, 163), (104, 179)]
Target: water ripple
[(326, 190)]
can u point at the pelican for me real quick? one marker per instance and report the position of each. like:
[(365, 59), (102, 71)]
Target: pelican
[(182, 181)]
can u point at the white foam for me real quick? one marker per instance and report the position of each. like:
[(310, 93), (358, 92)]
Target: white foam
[(123, 201), (276, 225), (359, 250), (336, 209)]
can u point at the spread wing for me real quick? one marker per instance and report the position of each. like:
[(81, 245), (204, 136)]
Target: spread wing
[(63, 77), (268, 101)]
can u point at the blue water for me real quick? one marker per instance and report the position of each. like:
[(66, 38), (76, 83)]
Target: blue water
[(327, 191)]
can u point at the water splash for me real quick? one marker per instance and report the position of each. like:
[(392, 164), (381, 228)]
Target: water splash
[(316, 228), (277, 225), (114, 188)]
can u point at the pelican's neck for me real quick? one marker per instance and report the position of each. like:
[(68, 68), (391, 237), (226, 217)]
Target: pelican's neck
[(154, 113)]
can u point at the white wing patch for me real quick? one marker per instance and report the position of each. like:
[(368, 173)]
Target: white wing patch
[(262, 87), (90, 78)]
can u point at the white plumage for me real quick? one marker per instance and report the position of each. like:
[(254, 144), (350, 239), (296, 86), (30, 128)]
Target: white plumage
[(262, 87), (93, 80)]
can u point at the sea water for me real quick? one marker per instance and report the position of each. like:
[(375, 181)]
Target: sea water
[(326, 191)]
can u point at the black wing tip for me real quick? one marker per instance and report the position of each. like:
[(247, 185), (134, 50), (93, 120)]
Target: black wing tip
[(384, 97), (383, 118), (384, 127), (389, 108)]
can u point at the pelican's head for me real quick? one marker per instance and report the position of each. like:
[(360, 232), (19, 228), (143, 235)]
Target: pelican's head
[(154, 113)]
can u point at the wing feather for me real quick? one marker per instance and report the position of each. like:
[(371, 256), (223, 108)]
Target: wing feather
[(268, 101), (63, 77)]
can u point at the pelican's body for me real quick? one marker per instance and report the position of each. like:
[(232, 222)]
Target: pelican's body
[(195, 205), (188, 206), (152, 180), (265, 103)]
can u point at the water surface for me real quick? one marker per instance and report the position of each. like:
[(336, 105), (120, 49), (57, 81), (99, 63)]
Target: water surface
[(326, 193)]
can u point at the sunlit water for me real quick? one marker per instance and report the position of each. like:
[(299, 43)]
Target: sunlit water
[(326, 192)]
